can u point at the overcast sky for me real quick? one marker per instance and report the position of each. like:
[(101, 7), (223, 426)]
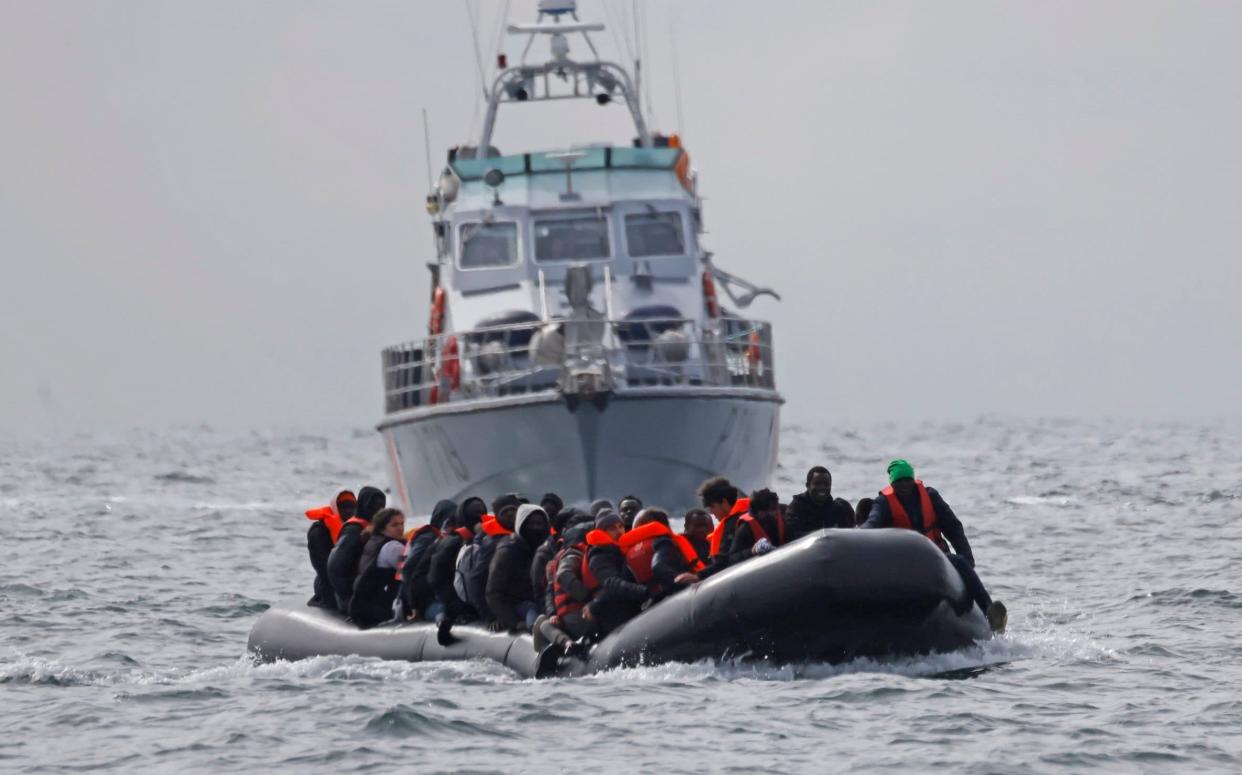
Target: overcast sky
[(212, 211)]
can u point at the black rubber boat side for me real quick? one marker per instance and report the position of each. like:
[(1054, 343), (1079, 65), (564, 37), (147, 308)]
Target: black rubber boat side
[(829, 597)]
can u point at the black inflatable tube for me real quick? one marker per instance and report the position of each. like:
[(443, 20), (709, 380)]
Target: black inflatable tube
[(832, 596)]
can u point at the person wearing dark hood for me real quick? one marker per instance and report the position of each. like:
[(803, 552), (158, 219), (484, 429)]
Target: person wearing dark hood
[(619, 597), (376, 586), (326, 524), (552, 505), (475, 561), (547, 550), (415, 593), (816, 509), (658, 557), (343, 561), (510, 596), (442, 566), (628, 507), (760, 531), (908, 503), (697, 528)]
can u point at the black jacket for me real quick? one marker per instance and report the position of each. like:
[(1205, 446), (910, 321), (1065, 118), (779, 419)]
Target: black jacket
[(476, 571), (319, 547), (619, 597), (950, 526), (539, 581), (375, 587), (744, 539), (666, 565), (440, 570), (804, 516), (416, 593), (343, 563), (508, 578)]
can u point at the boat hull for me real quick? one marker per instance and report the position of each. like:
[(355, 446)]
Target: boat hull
[(829, 597), (658, 444)]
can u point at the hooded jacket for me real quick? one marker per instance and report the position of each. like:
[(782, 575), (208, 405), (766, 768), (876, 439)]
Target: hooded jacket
[(375, 587), (804, 516), (443, 564), (319, 542), (508, 577), (416, 593), (343, 561)]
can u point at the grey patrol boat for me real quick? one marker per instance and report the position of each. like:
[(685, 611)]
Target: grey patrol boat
[(580, 338)]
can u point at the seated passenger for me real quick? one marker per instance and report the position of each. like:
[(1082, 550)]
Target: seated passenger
[(376, 586), (474, 561), (907, 503), (697, 528), (862, 511), (343, 561), (618, 597), (628, 507), (415, 593), (558, 515), (658, 557), (816, 509), (721, 500), (570, 592), (760, 531), (326, 523), (599, 505), (510, 595), (442, 567)]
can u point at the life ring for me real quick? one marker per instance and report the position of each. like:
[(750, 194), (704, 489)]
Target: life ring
[(709, 295), (439, 301)]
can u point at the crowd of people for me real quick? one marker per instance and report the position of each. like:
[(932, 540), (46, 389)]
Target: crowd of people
[(569, 576)]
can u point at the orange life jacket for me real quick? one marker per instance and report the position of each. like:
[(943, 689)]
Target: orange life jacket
[(357, 521), (756, 528), (639, 548), (492, 526), (409, 541), (329, 517), (466, 534), (739, 508), (931, 526)]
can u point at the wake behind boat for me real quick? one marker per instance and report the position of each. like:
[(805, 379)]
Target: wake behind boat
[(831, 596)]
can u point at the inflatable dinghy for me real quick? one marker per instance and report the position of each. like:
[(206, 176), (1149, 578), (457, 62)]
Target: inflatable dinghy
[(829, 597)]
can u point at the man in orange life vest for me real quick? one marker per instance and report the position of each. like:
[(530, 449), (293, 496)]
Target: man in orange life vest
[(618, 597), (908, 503), (721, 500), (326, 522), (697, 529), (760, 531), (658, 557)]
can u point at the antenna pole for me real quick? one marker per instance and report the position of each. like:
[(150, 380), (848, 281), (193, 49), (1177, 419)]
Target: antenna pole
[(427, 147)]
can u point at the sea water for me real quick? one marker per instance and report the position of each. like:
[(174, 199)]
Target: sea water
[(135, 564)]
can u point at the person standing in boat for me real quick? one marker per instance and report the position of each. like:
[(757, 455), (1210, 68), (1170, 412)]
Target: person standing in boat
[(816, 509), (376, 586), (326, 524), (908, 503)]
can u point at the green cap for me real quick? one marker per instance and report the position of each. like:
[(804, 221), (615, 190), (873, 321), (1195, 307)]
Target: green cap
[(899, 469)]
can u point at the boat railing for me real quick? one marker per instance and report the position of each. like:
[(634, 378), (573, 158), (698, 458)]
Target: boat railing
[(580, 356)]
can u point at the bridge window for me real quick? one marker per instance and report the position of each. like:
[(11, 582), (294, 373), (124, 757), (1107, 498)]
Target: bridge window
[(578, 238), (488, 245), (655, 234)]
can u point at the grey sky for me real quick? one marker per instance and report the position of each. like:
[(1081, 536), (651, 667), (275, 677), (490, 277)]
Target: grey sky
[(212, 211)]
